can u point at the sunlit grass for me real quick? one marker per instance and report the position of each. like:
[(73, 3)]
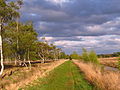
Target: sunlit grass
[(64, 77)]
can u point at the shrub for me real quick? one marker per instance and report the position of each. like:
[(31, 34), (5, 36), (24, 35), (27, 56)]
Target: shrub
[(118, 64), (85, 55), (74, 55), (90, 56), (93, 57)]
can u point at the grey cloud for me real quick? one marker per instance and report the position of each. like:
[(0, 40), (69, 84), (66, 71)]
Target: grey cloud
[(86, 18)]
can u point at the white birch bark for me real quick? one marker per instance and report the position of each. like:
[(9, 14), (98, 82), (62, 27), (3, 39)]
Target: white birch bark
[(29, 59), (1, 50)]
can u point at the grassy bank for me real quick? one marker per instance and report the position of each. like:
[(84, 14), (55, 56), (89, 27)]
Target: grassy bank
[(64, 77), (102, 79), (17, 77)]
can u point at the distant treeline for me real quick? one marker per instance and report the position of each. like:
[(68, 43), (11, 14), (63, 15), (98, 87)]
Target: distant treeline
[(75, 55), (115, 54)]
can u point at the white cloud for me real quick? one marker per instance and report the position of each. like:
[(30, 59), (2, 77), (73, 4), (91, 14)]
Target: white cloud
[(59, 2), (109, 28), (98, 43), (49, 39)]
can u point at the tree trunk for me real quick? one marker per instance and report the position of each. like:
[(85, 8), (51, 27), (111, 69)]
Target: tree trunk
[(19, 62), (55, 55), (29, 59), (1, 50), (17, 33), (24, 62), (15, 58), (15, 61), (17, 27), (43, 60)]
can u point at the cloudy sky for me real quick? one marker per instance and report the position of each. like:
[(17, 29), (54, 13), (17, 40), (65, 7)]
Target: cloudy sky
[(74, 24)]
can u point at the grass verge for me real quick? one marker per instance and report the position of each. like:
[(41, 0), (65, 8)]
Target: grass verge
[(102, 79), (64, 77), (22, 76)]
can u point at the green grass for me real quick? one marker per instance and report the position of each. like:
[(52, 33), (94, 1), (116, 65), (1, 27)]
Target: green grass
[(64, 77)]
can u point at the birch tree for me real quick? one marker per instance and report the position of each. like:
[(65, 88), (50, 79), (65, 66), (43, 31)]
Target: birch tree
[(8, 11)]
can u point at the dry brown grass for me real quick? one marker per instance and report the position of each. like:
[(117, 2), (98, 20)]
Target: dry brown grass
[(25, 76), (112, 62), (103, 80)]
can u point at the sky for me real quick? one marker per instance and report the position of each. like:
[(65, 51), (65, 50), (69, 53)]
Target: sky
[(76, 24)]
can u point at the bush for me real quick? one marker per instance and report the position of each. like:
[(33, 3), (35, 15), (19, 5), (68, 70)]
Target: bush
[(74, 55), (85, 55), (93, 57), (118, 64), (90, 56)]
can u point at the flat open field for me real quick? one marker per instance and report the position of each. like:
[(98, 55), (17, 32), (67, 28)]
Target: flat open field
[(112, 62)]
